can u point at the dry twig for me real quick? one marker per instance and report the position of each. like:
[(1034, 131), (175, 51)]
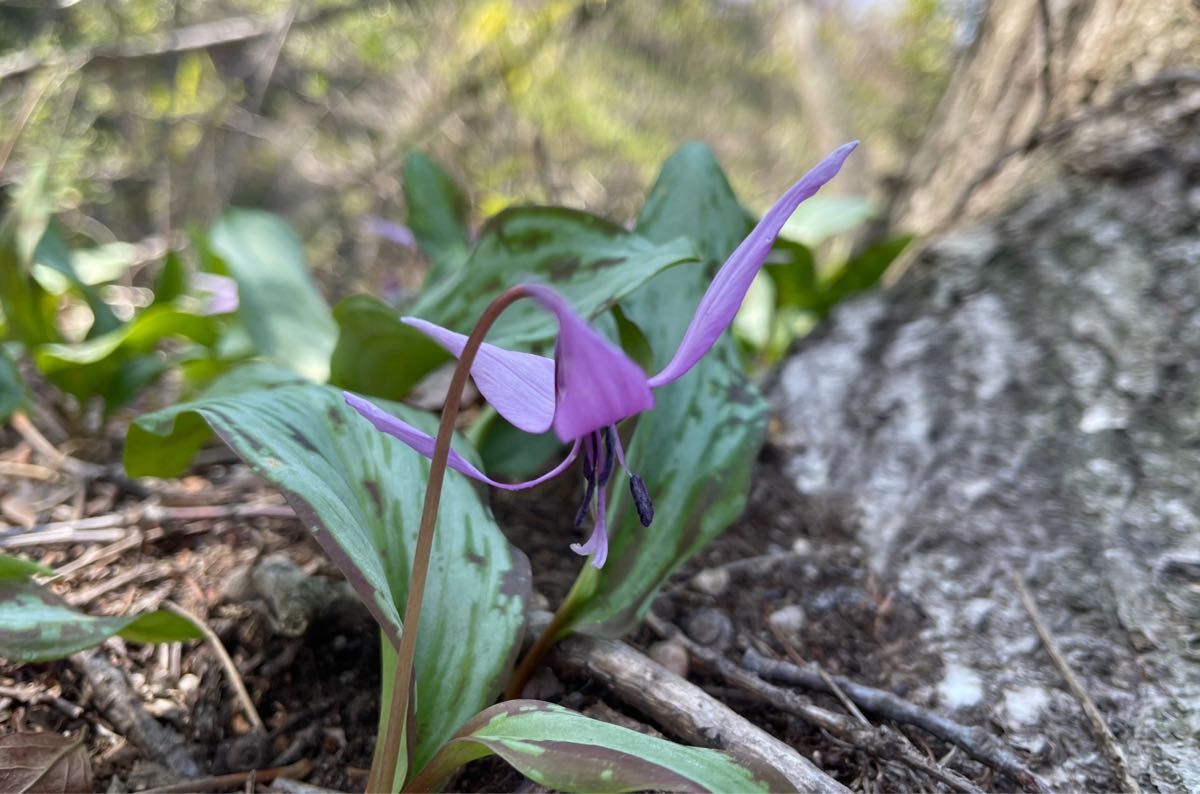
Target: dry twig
[(236, 779), (882, 742), (680, 707), (1100, 729), (231, 671), (978, 743)]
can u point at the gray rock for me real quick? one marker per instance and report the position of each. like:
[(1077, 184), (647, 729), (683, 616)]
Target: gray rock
[(1028, 398)]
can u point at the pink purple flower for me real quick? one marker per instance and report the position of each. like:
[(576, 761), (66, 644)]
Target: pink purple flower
[(590, 384)]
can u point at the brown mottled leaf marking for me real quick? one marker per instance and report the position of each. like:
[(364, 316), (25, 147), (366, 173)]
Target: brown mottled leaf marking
[(43, 762)]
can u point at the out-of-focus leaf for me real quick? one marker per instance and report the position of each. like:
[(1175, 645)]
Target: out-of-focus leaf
[(119, 363), (52, 266), (863, 271), (44, 763), (755, 321), (793, 268), (28, 308), (12, 390), (376, 353), (509, 452), (172, 280), (360, 492), (37, 625), (822, 217), (591, 261), (19, 568), (104, 263), (280, 306), (437, 214), (566, 751)]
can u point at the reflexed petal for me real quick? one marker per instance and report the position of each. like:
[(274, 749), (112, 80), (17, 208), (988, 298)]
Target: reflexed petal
[(597, 544), (724, 295), (423, 442), (520, 386), (596, 384)]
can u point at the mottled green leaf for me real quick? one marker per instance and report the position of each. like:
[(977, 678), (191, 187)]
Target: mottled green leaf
[(376, 353), (565, 751), (696, 448), (37, 625), (279, 304), (360, 492), (437, 214), (591, 261)]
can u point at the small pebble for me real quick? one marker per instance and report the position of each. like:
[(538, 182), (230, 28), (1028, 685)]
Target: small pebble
[(710, 627), (711, 581), (801, 547), (671, 655), (789, 619), (188, 682)]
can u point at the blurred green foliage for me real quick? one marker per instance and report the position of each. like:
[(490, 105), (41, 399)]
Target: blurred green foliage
[(571, 102)]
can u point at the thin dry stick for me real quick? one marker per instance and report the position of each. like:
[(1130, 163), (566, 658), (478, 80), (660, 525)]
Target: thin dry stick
[(1100, 729), (830, 684), (978, 743), (236, 779), (679, 707), (28, 471), (882, 743), (231, 671), (383, 766)]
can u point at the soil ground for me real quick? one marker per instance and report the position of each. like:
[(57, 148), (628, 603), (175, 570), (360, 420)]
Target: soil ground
[(794, 586)]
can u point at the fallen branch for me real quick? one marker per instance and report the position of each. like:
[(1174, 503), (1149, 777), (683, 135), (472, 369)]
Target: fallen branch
[(681, 708), (1100, 729), (121, 706), (978, 743), (881, 742), (236, 780)]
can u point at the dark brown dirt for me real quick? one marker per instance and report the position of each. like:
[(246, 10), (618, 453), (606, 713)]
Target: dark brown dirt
[(318, 693)]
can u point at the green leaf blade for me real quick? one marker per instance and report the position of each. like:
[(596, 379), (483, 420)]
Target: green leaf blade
[(279, 304), (360, 492), (566, 751)]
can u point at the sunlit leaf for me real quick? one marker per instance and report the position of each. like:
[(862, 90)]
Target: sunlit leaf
[(592, 262), (565, 751), (360, 493), (376, 353), (822, 217), (437, 214), (280, 306)]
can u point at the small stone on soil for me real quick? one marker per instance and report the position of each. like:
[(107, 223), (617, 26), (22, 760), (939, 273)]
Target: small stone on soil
[(671, 655), (711, 581)]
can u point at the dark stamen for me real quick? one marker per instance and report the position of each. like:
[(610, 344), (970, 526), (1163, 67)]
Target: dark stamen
[(610, 455), (641, 499), (587, 503)]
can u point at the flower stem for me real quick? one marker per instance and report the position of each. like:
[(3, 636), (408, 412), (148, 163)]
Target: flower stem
[(387, 752)]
